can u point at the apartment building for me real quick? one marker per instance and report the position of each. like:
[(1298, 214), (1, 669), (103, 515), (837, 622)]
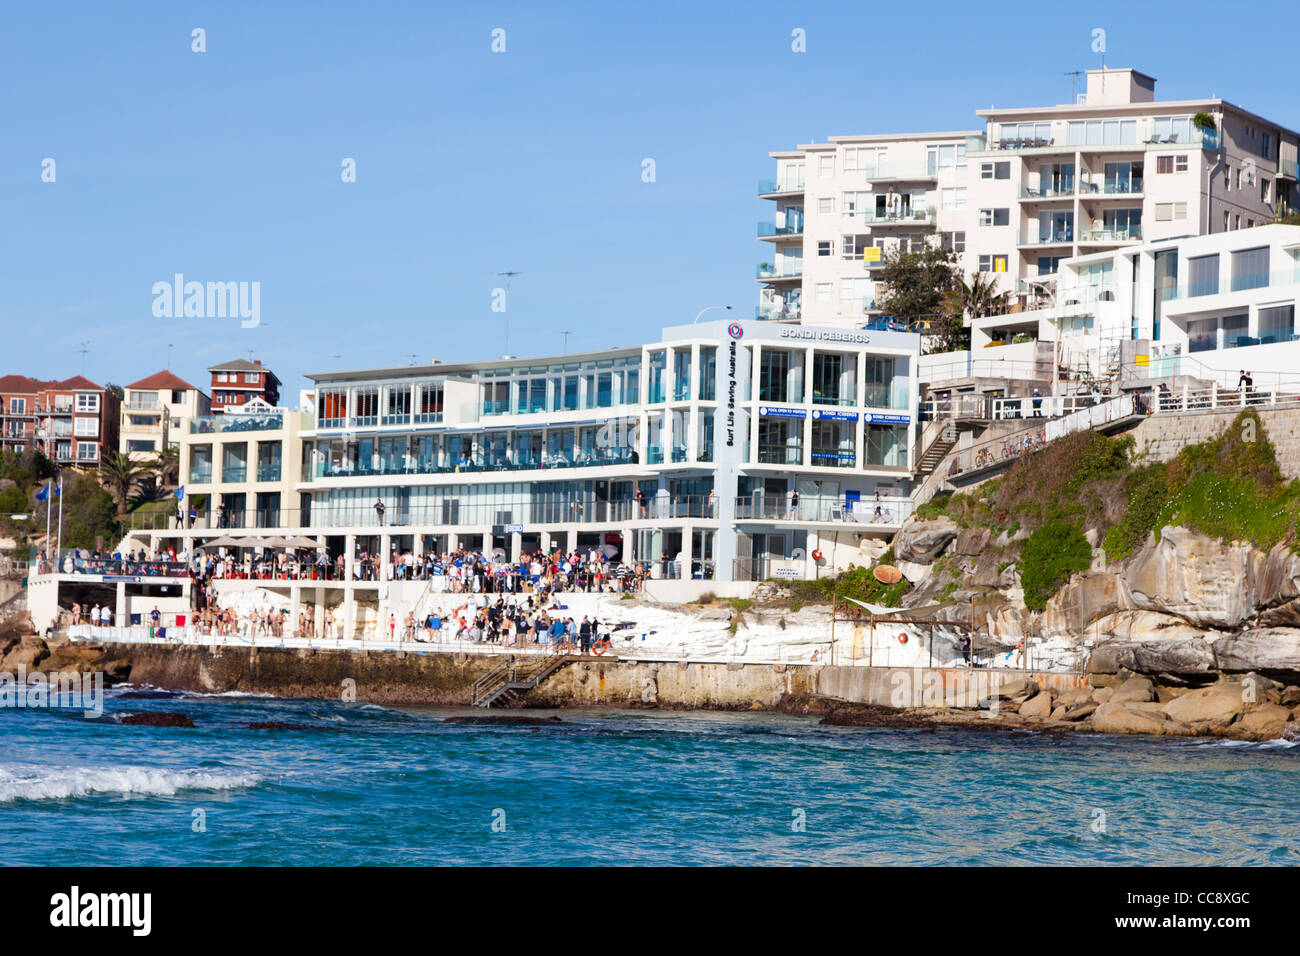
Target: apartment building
[(73, 422), (1035, 187), (1116, 169), (1207, 307), (153, 408), (240, 381), (841, 206), (239, 469)]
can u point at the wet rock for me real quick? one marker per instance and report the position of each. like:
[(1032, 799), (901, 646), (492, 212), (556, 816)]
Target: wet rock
[(1120, 720), (1217, 703), (276, 725), (1262, 722), (27, 652), (1103, 694), (156, 719)]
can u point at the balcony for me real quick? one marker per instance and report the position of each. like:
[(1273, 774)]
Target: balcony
[(777, 312), (1034, 236), (1114, 187), (780, 454), (201, 476), (143, 405), (898, 172), (1064, 190), (770, 230), (904, 217), (268, 472), (1112, 234), (770, 187), (203, 424), (784, 271), (232, 474)]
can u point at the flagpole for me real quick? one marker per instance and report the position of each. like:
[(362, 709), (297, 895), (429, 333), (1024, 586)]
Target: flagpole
[(59, 552), (49, 493)]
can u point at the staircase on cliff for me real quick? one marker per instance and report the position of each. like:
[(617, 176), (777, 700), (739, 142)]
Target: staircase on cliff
[(513, 677)]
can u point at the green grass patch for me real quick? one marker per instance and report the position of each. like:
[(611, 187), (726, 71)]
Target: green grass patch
[(1052, 553)]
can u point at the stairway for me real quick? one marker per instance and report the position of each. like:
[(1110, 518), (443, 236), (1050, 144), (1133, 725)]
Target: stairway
[(513, 677), (937, 450)]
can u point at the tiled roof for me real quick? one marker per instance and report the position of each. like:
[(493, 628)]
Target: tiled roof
[(163, 379)]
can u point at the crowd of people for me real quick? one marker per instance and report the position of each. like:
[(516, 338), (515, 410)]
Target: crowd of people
[(517, 621)]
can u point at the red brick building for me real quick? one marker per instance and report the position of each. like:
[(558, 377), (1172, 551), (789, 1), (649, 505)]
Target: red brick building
[(238, 382), (74, 422)]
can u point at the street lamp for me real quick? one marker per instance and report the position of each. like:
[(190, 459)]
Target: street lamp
[(710, 309)]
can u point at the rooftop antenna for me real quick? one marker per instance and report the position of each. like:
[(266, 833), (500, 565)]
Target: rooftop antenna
[(336, 358), (413, 356), (1074, 78), (170, 346), (508, 277), (566, 341), (85, 347)]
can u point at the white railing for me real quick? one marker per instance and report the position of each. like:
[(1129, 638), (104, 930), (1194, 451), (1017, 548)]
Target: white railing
[(1189, 399), (1095, 417)]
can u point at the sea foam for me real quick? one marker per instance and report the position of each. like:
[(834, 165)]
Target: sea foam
[(30, 782)]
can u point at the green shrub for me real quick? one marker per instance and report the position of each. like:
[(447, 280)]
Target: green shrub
[(1052, 553)]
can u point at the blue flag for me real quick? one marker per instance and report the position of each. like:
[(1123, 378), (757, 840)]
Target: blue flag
[(43, 494), (58, 490), (180, 492)]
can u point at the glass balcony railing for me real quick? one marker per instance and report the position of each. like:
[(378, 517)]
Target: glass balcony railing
[(268, 472), (1111, 234), (1059, 190), (780, 454), (922, 214), (202, 424), (1122, 187), (770, 229), (200, 476), (899, 171), (654, 455), (769, 187), (231, 474), (440, 465), (777, 312), (1035, 236), (782, 270), (832, 398)]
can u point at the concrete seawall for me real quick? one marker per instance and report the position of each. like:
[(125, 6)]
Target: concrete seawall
[(447, 679)]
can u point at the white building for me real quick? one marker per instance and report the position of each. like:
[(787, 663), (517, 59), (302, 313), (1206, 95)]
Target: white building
[(1205, 307), (1038, 185), (843, 204), (1115, 169)]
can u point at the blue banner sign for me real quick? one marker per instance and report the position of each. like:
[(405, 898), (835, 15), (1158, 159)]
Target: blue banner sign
[(882, 418), (782, 412), (827, 415)]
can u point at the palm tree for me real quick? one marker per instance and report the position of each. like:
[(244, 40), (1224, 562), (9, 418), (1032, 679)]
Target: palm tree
[(166, 465), (977, 298), (120, 475)]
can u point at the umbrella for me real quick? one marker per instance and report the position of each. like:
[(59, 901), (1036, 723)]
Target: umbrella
[(274, 542), (302, 541), (224, 541), (609, 550)]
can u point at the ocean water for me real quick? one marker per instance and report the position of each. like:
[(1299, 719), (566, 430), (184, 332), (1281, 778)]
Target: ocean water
[(374, 785)]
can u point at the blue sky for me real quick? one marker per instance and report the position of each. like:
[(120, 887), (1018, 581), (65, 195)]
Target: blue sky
[(225, 165)]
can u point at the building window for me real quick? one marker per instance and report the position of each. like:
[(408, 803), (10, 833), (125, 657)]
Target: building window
[(995, 217), (954, 198), (851, 246), (141, 445), (1266, 146), (1171, 164), (1264, 186), (88, 403), (826, 166), (1170, 211), (992, 263), (826, 247), (17, 406), (953, 242), (1277, 324), (86, 427), (1203, 275), (1249, 268), (826, 207), (995, 170), (824, 290)]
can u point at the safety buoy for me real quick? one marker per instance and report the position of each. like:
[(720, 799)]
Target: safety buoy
[(817, 555), (902, 638), (600, 647)]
